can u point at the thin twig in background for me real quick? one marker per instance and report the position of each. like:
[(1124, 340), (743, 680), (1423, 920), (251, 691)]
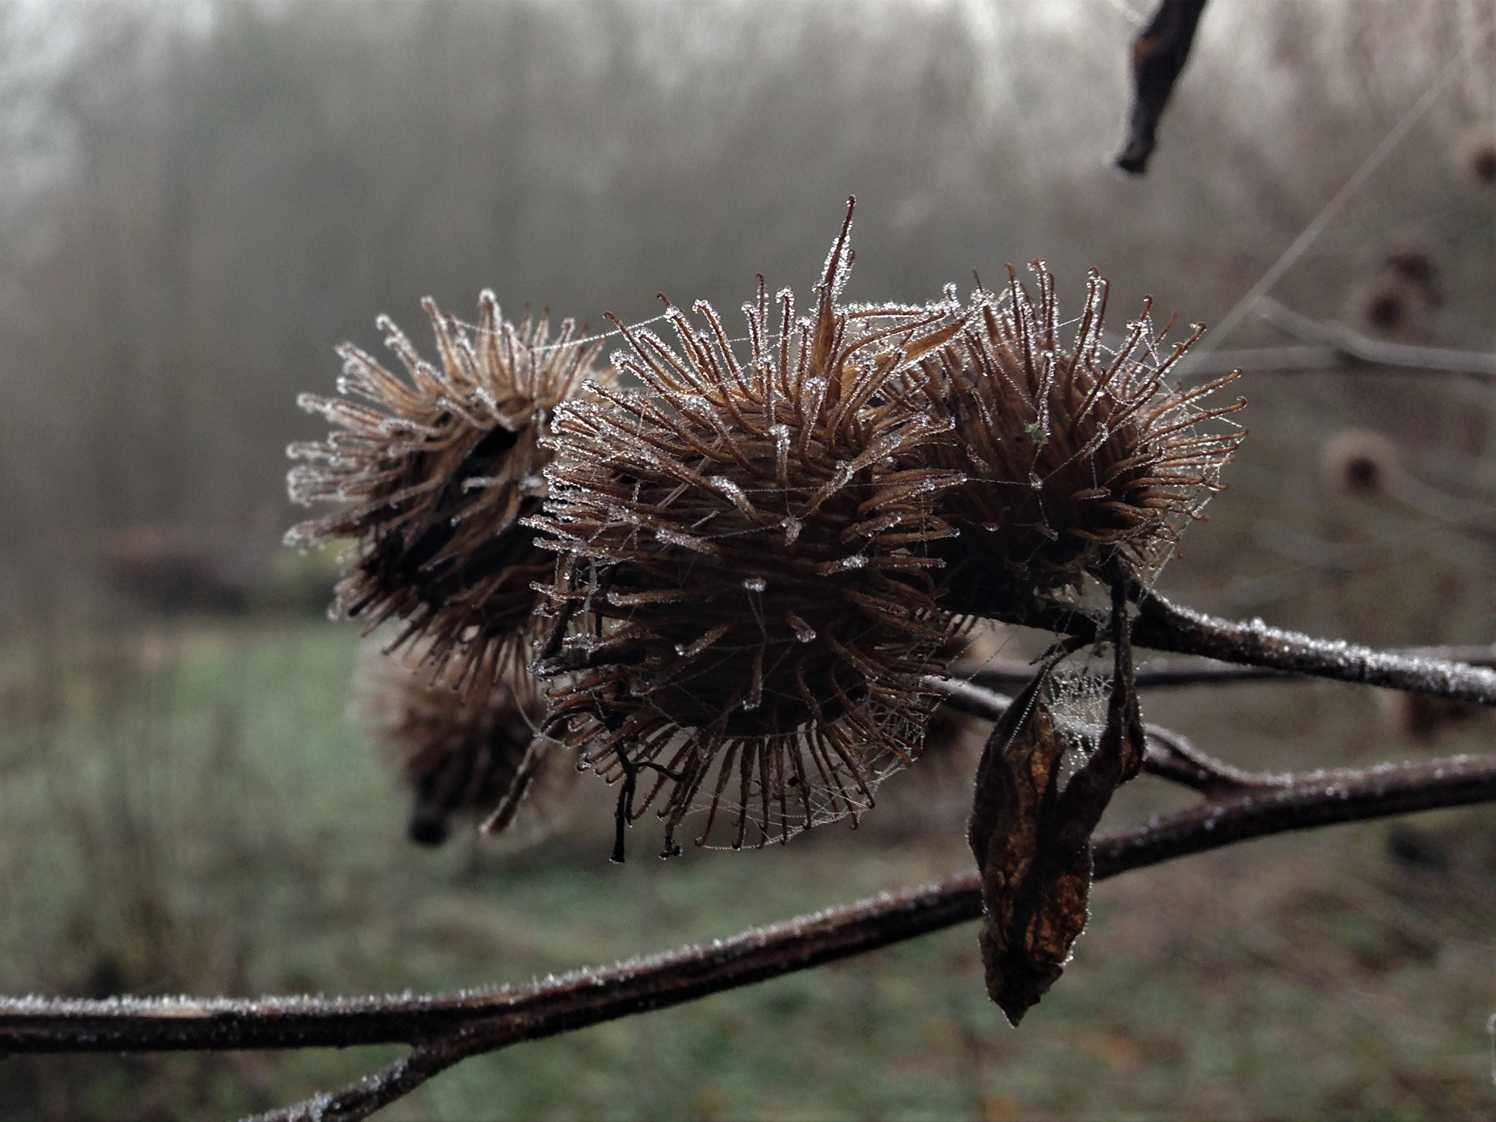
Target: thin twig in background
[(1333, 346), (1404, 360), (1263, 360), (1354, 345), (1170, 755), (1175, 757), (1357, 179)]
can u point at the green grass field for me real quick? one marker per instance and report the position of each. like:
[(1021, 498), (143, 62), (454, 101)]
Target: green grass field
[(190, 810)]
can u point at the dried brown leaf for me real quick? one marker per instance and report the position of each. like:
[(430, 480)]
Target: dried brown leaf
[(1032, 835), (1158, 56)]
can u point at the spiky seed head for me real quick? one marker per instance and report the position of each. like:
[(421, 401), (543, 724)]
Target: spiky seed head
[(461, 753), (1072, 454), (1358, 462), (743, 606), (432, 473)]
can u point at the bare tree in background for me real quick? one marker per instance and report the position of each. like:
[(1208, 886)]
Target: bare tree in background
[(222, 172)]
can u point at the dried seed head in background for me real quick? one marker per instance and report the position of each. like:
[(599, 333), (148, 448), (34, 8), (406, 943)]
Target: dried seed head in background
[(1358, 462), (460, 753), (1477, 157), (1071, 454), (1423, 719), (433, 475), (1389, 305), (1416, 265), (743, 608)]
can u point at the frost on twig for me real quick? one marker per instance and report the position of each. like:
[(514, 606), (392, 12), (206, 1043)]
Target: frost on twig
[(1164, 626), (493, 1019)]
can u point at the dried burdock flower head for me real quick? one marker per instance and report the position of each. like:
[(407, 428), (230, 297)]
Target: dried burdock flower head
[(1072, 454), (461, 753), (743, 607), (1399, 298), (1358, 462), (433, 475)]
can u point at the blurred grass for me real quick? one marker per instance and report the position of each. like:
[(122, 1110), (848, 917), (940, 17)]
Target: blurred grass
[(190, 811)]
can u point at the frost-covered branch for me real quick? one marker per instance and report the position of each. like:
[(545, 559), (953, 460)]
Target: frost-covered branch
[(446, 1028), (999, 674), (1165, 626)]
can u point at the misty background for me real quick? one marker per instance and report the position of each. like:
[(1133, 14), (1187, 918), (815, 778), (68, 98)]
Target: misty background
[(200, 201)]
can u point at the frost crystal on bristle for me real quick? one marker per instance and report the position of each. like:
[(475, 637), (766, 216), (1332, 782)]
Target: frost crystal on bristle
[(434, 472), (743, 606), (1071, 455)]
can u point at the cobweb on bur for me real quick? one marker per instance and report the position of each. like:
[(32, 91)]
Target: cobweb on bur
[(1201, 439), (755, 790)]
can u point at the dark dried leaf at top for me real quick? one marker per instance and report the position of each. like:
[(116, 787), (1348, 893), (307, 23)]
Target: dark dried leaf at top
[(1158, 57)]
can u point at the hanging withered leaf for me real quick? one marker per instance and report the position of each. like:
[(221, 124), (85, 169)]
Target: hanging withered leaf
[(1031, 830), (1158, 56)]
